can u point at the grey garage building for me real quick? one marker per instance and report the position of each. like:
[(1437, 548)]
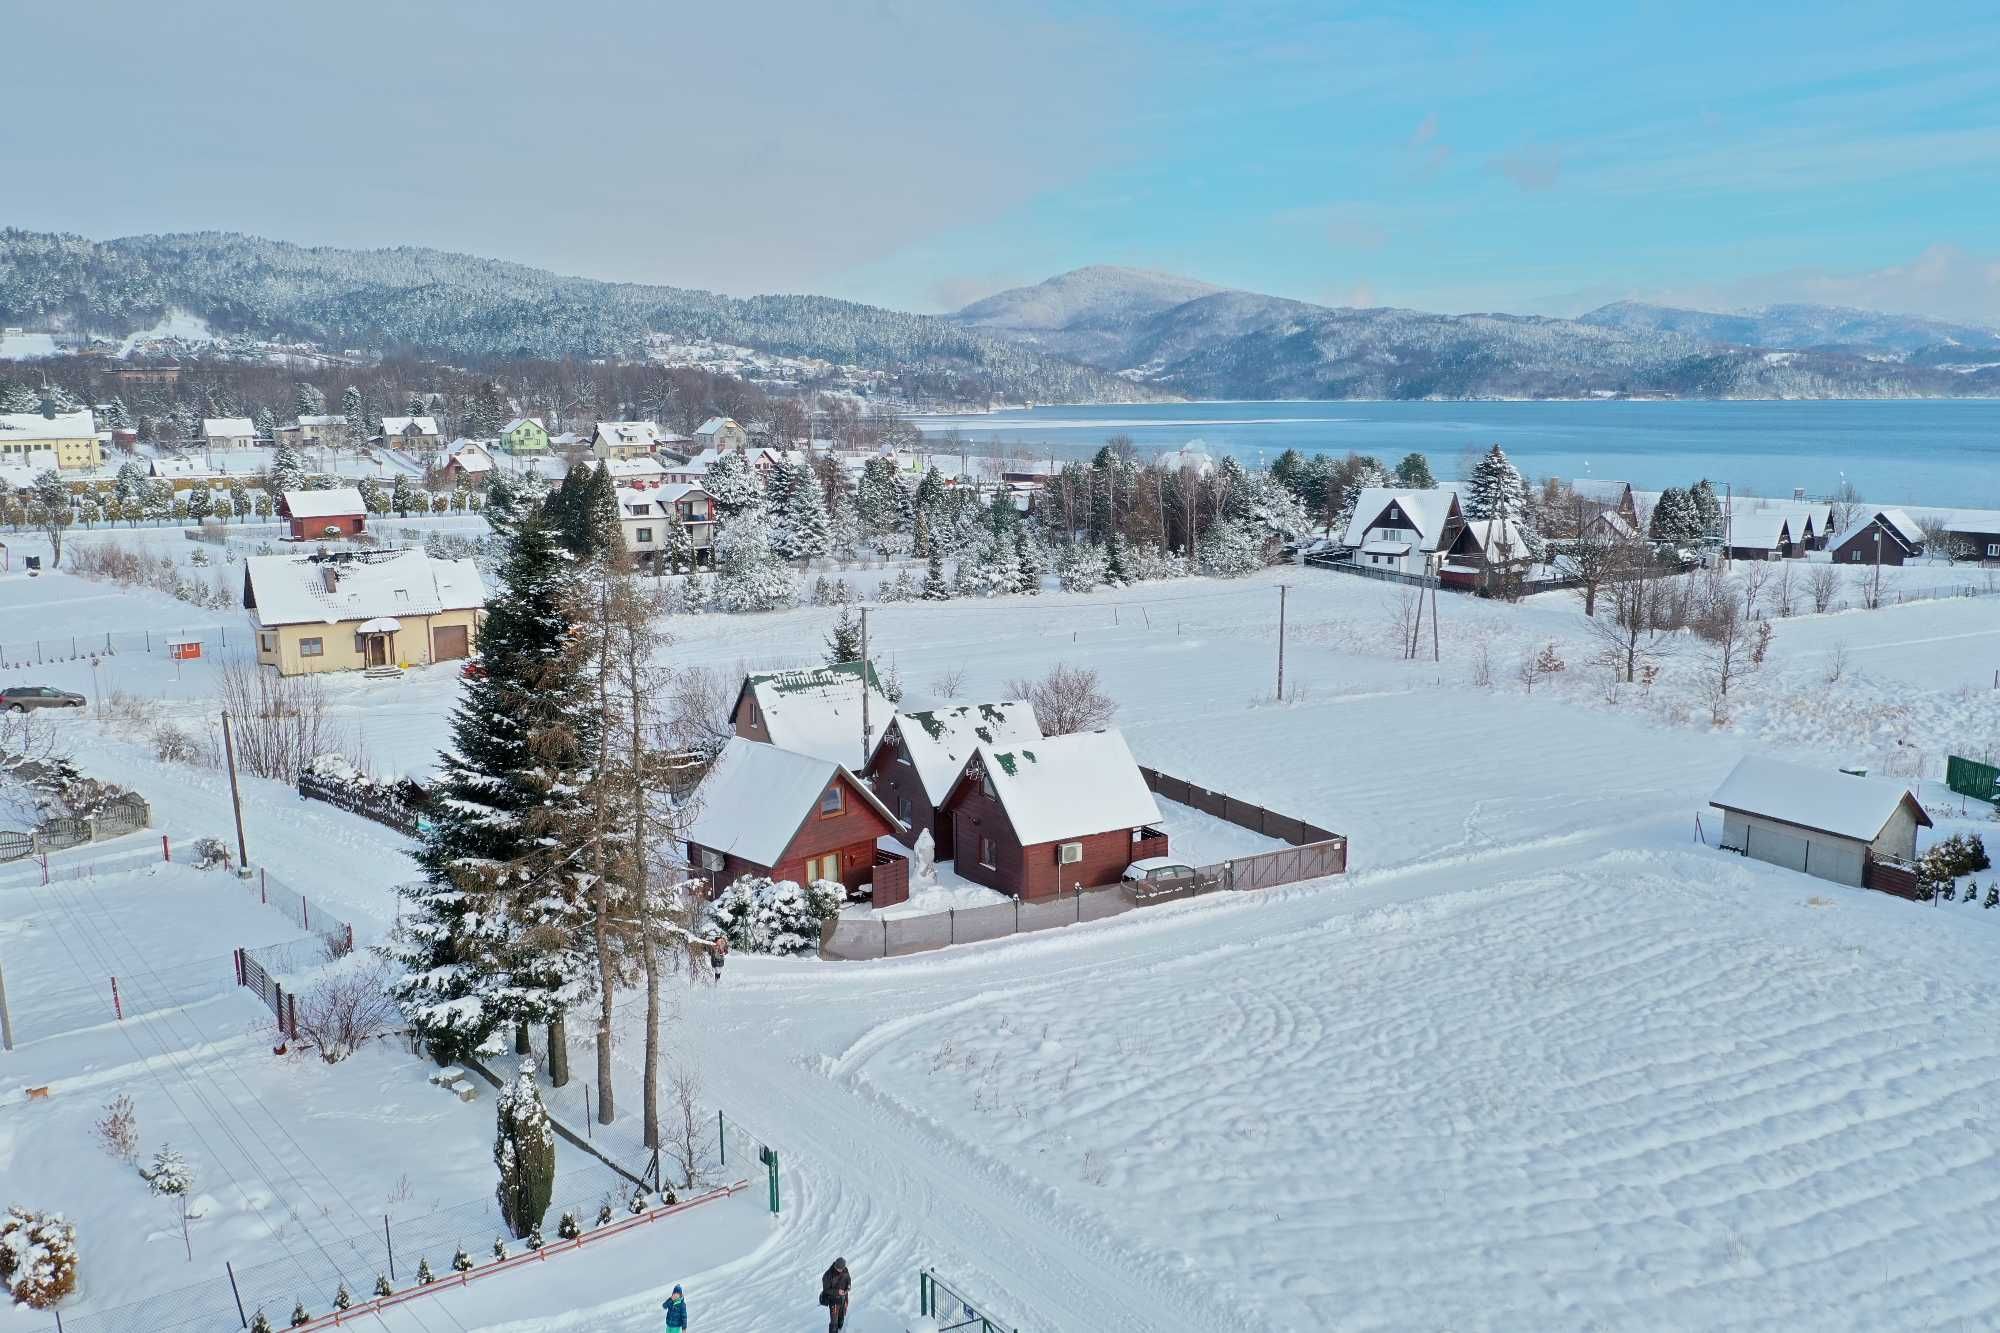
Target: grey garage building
[(1826, 824)]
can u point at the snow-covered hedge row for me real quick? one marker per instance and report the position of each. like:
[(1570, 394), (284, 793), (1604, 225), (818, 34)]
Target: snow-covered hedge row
[(760, 915)]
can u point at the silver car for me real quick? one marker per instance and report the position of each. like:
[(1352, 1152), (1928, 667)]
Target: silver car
[(20, 698)]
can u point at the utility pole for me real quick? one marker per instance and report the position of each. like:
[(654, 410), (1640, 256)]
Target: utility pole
[(864, 686), (1281, 641), (1728, 520), (235, 796), (6, 1019), (1435, 580)]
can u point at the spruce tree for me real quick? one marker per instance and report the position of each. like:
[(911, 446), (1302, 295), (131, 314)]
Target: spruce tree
[(288, 470), (733, 484), (266, 424), (354, 406), (591, 528), (799, 524), (1415, 472), (1495, 488), (843, 641), (880, 500), (1029, 562), (930, 501), (524, 1151), (1707, 507), (1114, 558), (403, 496), (308, 401), (937, 588)]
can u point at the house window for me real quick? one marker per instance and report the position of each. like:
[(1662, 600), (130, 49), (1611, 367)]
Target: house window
[(1993, 548), (823, 867), (903, 808), (986, 857), (402, 594), (642, 534), (986, 785), (312, 647), (267, 643), (830, 801), (711, 861)]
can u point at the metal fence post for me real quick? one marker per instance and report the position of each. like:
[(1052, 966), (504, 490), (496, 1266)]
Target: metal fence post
[(117, 1007), (951, 925), (721, 1139), (923, 1292), (389, 1241)]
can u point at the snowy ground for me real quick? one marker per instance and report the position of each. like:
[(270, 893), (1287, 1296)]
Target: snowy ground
[(1540, 1061)]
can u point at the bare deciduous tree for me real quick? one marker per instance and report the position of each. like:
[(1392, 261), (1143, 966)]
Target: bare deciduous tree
[(1641, 610), (1821, 584), (279, 723), (1781, 591), (948, 684), (347, 1009), (1066, 700), (687, 1141), (1845, 505)]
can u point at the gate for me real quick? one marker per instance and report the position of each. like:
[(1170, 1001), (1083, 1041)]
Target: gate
[(1969, 777)]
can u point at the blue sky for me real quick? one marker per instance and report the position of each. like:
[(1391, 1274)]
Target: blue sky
[(1536, 158)]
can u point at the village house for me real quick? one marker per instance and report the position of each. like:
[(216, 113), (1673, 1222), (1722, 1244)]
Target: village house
[(1052, 816), (185, 468), (228, 432), (1973, 538), (417, 436), (470, 461), (1761, 534), (70, 436), (920, 756), (315, 515), (317, 431), (762, 810), (646, 512), (358, 610), (624, 439), (648, 468), (1596, 496), (524, 436), (1486, 554), (721, 434), (1405, 531), (1833, 825), (1889, 537), (814, 710)]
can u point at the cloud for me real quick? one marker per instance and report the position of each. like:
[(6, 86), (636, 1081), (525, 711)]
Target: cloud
[(955, 291), (1423, 155), (1941, 282), (1533, 169)]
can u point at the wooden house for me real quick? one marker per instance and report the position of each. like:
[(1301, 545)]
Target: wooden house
[(1596, 497), (920, 756), (1761, 534), (1833, 825), (815, 711), (761, 810), (315, 515), (1053, 815), (470, 461), (1889, 537)]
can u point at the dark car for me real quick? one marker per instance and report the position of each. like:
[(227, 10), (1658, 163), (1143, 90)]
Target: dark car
[(20, 698)]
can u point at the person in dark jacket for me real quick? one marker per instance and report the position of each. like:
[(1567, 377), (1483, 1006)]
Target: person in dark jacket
[(676, 1307), (834, 1285)]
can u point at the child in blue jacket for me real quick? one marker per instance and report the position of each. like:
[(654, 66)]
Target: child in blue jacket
[(676, 1307)]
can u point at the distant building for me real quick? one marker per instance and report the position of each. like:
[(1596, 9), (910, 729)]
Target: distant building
[(721, 433), (1889, 537), (470, 461), (317, 515), (646, 512), (70, 436), (1191, 457), (415, 435), (349, 612), (228, 432), (147, 374), (316, 432), (1761, 535), (524, 436), (624, 439)]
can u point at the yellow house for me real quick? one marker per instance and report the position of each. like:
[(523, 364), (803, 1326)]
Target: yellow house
[(70, 436), (354, 610)]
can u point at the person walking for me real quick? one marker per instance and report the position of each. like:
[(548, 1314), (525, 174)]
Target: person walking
[(676, 1307), (834, 1286)]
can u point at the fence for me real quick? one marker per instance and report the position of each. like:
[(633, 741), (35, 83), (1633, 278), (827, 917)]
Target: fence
[(20, 654), (126, 814), (274, 892), (381, 806), (41, 1013), (1314, 852), (251, 973), (316, 1266), (951, 1309), (1969, 777)]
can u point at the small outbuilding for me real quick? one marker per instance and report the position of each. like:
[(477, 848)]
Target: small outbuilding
[(1833, 825), (313, 515), (761, 810)]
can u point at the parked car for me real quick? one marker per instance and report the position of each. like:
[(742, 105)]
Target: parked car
[(20, 698), (1149, 869)]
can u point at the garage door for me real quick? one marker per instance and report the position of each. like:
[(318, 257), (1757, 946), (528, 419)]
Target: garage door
[(1782, 849), (449, 642)]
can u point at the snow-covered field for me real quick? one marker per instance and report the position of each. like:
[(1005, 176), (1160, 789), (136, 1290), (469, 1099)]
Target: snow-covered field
[(1541, 1061)]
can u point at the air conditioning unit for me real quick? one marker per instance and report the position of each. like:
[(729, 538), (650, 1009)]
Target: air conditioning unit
[(1069, 853)]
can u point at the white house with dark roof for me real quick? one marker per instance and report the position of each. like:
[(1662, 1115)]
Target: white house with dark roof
[(228, 432), (416, 435), (354, 611), (721, 434), (921, 755), (1405, 531), (647, 511)]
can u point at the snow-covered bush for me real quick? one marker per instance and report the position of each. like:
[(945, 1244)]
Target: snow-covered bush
[(172, 745), (346, 1010), (211, 854), (1081, 568), (118, 1131), (424, 1274), (461, 1262), (524, 1149), (300, 1315), (37, 1257), (760, 915), (382, 1287), (1232, 549), (261, 1323), (169, 1175), (567, 1228)]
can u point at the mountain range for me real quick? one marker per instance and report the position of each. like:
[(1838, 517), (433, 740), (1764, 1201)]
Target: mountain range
[(1097, 334), (1202, 341)]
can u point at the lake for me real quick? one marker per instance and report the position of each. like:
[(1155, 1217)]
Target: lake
[(1930, 452)]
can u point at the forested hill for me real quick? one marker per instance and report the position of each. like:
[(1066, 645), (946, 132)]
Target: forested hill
[(433, 302)]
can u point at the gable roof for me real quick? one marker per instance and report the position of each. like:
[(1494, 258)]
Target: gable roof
[(291, 589), (77, 425), (227, 427), (1064, 787), (1599, 491), (333, 419), (1426, 511), (755, 798), (516, 423), (1761, 530), (817, 711), (940, 740), (402, 425), (647, 466), (1836, 803), (642, 434), (1903, 525), (339, 502), (470, 455), (712, 427)]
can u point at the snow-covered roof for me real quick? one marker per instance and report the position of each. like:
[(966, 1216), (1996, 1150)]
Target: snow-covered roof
[(817, 711), (179, 467), (323, 419), (755, 797), (630, 433), (292, 590), (1386, 548), (1063, 787), (515, 423), (1760, 530), (714, 426), (1615, 523), (401, 425), (1813, 798), (1425, 510), (470, 455), (1194, 454), (1600, 491), (941, 740), (1904, 526), (77, 425), (218, 428), (1494, 533), (336, 503), (625, 468)]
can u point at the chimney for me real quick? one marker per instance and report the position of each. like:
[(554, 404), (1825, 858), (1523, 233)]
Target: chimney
[(330, 576)]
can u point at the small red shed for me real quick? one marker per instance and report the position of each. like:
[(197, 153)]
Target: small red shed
[(767, 811), (322, 514)]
